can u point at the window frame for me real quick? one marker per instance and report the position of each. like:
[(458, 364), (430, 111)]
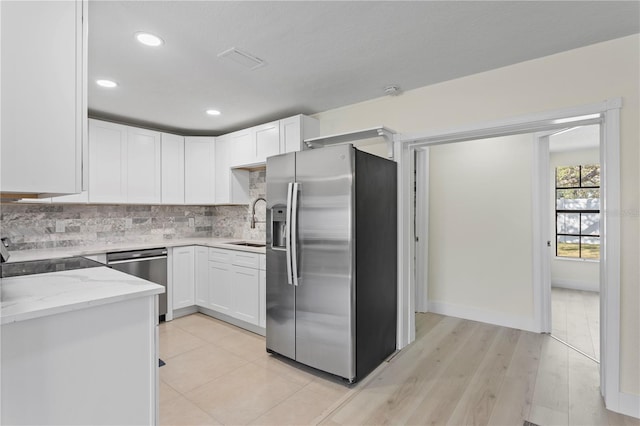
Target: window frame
[(580, 212)]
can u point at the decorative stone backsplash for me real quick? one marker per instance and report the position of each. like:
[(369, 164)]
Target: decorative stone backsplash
[(33, 226), (235, 221)]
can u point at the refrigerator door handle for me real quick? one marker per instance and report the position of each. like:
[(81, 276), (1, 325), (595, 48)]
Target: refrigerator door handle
[(288, 233), (294, 234)]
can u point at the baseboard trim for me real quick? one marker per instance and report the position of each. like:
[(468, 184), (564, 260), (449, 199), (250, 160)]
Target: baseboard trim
[(177, 313), (576, 285), (629, 404), (234, 321), (481, 315)]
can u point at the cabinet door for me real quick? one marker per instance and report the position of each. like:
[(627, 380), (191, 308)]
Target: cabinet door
[(294, 130), (107, 162), (220, 287), (199, 165), (263, 298), (183, 277), (246, 294), (202, 276), (242, 151), (172, 169), (267, 141), (290, 134), (223, 169), (143, 166), (43, 96)]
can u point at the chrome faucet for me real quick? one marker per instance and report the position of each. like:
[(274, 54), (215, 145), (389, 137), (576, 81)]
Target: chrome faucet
[(253, 211)]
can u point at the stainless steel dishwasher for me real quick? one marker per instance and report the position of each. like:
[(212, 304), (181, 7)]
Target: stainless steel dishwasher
[(149, 264)]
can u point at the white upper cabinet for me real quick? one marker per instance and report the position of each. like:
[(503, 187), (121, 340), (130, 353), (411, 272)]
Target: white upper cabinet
[(240, 151), (294, 130), (172, 169), (143, 166), (124, 164), (107, 162), (232, 185), (223, 168), (266, 141), (199, 170), (43, 111)]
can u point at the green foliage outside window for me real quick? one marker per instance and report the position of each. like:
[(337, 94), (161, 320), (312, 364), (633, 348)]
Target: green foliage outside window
[(578, 211)]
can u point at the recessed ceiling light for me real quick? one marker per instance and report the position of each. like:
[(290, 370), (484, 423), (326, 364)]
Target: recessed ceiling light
[(106, 83), (149, 39), (213, 112)]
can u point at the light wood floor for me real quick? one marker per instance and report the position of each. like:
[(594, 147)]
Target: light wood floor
[(575, 319), (457, 372)]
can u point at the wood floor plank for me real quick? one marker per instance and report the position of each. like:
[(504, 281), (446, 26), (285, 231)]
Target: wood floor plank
[(437, 407), (513, 402), (479, 398), (586, 406), (405, 375), (552, 381), (425, 322)]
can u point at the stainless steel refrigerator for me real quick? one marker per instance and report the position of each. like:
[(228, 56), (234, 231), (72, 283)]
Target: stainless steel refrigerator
[(332, 259)]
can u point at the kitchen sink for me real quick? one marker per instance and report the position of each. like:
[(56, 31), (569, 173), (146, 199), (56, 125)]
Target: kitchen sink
[(247, 244)]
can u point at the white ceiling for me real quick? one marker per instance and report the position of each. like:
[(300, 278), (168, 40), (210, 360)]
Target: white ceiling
[(319, 54), (575, 138)]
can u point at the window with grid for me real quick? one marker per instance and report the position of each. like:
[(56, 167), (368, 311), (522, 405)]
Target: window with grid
[(578, 211)]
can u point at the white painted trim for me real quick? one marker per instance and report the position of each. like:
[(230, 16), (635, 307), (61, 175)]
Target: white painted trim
[(406, 329), (629, 404), (169, 315), (422, 229), (529, 123), (610, 259), (541, 234), (576, 285), (482, 315)]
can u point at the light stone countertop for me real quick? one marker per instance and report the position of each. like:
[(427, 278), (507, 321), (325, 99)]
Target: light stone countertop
[(55, 253), (34, 296)]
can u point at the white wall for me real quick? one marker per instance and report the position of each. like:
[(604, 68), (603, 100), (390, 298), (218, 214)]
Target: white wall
[(577, 77), (572, 273), (480, 230)]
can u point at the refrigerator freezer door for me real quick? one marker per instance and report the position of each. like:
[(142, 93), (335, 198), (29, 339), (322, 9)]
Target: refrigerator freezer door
[(325, 336), (280, 298)]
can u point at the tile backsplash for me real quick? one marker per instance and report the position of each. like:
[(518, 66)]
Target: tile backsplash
[(37, 226)]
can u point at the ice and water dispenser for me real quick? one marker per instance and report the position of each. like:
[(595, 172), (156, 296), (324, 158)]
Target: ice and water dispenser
[(279, 223)]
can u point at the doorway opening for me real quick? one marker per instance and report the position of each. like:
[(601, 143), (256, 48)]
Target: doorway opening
[(574, 188), (416, 293)]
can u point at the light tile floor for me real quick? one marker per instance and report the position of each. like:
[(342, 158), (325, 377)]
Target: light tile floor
[(216, 373)]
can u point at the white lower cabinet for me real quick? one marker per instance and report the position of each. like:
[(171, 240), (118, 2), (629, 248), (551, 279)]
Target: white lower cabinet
[(220, 284), (245, 304), (234, 284), (262, 277), (202, 275), (229, 282), (183, 263)]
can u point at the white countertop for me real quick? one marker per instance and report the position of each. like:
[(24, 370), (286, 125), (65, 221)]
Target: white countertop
[(34, 296), (55, 253)]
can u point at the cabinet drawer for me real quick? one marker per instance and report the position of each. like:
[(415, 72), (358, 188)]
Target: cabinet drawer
[(246, 259), (219, 255)]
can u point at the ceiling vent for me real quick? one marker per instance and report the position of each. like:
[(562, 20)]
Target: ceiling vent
[(392, 90), (245, 59)]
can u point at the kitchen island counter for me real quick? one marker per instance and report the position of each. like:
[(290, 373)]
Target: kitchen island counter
[(33, 296), (72, 338)]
